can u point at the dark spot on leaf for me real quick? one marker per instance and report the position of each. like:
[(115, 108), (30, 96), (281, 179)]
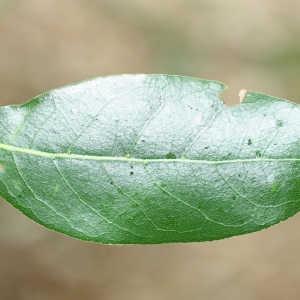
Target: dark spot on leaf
[(111, 183), (279, 123), (143, 141), (257, 153), (229, 153), (207, 147), (131, 167), (170, 155), (131, 173), (233, 197), (249, 142)]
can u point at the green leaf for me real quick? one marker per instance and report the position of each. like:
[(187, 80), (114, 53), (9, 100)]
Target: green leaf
[(149, 159)]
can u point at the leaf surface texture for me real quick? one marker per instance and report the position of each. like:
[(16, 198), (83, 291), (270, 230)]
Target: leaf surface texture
[(149, 159)]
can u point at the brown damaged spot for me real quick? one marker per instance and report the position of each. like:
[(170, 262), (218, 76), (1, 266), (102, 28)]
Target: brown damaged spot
[(2, 166), (242, 94)]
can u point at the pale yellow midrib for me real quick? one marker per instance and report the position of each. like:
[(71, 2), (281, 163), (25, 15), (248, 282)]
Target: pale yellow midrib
[(137, 160)]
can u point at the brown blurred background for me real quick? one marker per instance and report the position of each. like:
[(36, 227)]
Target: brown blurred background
[(45, 44)]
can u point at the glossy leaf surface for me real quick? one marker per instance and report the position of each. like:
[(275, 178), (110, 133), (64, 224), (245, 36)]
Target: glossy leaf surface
[(146, 159)]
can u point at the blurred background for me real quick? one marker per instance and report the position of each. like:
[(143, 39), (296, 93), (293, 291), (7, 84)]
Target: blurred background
[(47, 44)]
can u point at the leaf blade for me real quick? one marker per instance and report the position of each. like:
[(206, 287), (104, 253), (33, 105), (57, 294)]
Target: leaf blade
[(147, 159)]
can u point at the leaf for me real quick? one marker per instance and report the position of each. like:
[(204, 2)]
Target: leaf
[(149, 159)]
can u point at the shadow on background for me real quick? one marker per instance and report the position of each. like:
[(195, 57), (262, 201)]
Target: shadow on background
[(47, 44)]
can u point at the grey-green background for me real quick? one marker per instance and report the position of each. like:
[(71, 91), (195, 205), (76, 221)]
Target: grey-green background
[(46, 44)]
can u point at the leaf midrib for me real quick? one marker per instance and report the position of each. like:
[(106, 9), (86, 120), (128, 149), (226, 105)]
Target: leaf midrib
[(138, 160)]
